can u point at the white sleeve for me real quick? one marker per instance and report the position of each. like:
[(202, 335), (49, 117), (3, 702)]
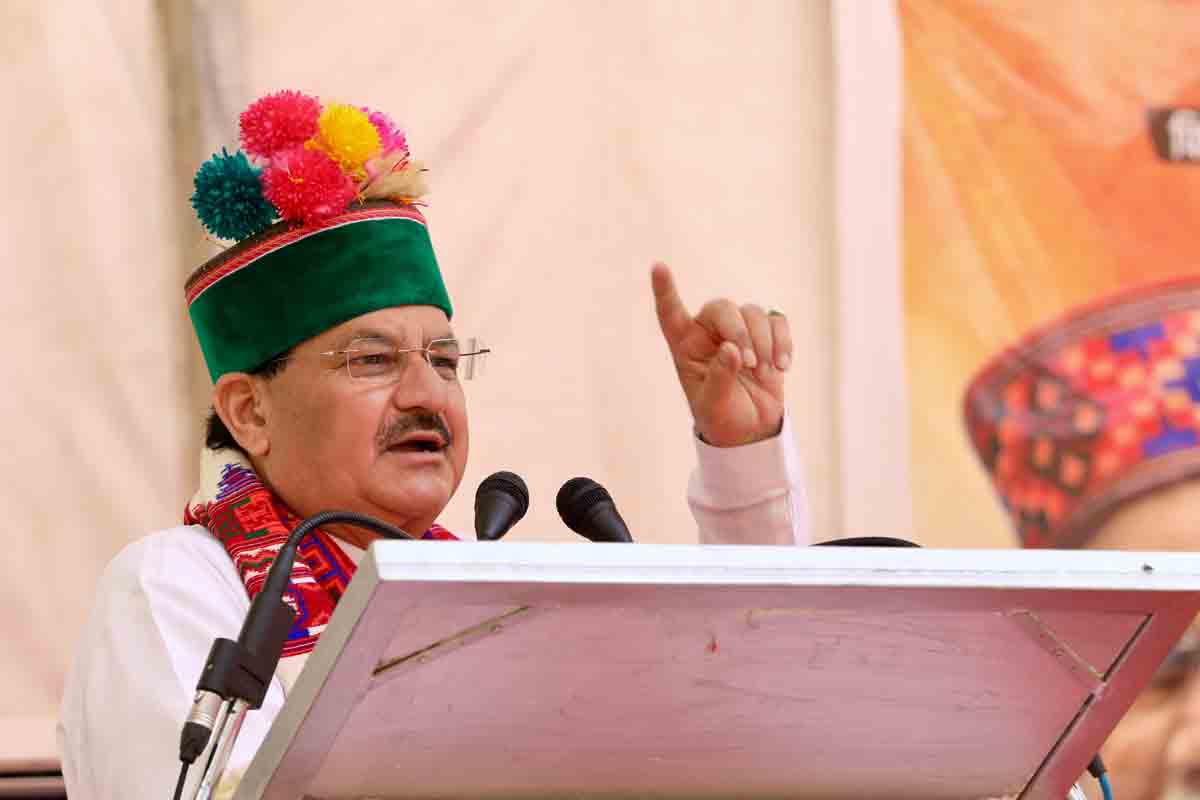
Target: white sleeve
[(159, 605), (753, 494)]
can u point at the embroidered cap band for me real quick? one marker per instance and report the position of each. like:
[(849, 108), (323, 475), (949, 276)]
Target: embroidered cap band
[(1092, 410)]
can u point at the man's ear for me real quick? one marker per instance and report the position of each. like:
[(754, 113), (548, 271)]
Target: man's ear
[(239, 401)]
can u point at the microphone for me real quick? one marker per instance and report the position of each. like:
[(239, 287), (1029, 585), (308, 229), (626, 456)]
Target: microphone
[(241, 671), (588, 509), (500, 502)]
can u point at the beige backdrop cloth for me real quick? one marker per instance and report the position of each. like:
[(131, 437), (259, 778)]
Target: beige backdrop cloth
[(570, 145), (95, 371)]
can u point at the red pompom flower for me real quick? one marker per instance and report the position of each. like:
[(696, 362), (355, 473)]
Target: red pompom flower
[(279, 121), (306, 185)]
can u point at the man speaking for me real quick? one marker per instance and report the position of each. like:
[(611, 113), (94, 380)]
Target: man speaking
[(326, 328)]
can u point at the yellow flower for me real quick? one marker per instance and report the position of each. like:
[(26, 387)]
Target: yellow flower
[(348, 136)]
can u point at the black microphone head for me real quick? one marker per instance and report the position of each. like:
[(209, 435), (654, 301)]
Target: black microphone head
[(508, 482), (588, 509), (576, 498), (500, 502)]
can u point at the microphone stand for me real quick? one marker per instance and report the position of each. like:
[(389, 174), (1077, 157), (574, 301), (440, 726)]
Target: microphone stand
[(236, 675), (227, 726)]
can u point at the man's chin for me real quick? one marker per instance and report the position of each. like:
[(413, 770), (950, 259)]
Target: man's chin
[(412, 487), (417, 507)]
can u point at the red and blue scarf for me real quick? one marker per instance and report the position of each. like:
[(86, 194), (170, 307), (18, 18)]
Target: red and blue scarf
[(253, 524)]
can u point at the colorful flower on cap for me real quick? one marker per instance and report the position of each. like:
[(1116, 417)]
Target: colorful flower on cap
[(278, 122), (229, 197), (300, 163), (307, 185), (392, 137), (348, 136)]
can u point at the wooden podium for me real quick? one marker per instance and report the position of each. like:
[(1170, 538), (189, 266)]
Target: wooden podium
[(504, 670)]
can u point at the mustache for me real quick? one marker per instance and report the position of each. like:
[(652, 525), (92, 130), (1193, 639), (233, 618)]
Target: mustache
[(395, 430)]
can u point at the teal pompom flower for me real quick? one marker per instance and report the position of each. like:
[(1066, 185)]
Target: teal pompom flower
[(229, 197)]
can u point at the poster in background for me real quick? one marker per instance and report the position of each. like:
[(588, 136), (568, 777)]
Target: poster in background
[(1049, 157)]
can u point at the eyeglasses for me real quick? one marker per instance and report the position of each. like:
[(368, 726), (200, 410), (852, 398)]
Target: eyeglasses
[(381, 361)]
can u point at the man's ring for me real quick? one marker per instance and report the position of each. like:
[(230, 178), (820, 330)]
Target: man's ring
[(774, 312)]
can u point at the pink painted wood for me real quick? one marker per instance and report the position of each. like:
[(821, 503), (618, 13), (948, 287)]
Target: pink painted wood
[(629, 671)]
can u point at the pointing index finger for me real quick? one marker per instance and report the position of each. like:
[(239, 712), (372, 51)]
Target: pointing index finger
[(673, 317)]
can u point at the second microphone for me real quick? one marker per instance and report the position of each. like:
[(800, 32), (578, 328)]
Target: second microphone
[(588, 509)]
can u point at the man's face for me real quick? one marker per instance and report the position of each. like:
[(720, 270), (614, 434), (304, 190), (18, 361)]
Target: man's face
[(395, 450), (1154, 753)]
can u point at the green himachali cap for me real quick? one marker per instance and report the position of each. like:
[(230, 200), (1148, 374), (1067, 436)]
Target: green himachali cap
[(268, 294), (326, 228)]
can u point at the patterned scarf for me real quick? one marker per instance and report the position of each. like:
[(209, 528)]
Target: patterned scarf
[(253, 524)]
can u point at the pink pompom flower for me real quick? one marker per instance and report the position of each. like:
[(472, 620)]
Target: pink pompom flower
[(306, 185), (390, 136), (278, 122)]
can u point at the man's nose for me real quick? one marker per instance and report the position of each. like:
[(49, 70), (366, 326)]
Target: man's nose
[(420, 385)]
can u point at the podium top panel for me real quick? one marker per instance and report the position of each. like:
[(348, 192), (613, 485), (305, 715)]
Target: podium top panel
[(498, 670)]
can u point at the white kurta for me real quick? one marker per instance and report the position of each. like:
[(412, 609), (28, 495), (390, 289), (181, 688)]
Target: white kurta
[(164, 599)]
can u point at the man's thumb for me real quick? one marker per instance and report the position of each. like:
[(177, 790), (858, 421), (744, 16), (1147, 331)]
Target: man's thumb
[(728, 363)]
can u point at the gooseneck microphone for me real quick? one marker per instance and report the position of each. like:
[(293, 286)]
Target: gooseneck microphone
[(236, 675), (500, 502), (588, 509)]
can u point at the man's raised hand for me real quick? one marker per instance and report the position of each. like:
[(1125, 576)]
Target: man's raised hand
[(730, 360)]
